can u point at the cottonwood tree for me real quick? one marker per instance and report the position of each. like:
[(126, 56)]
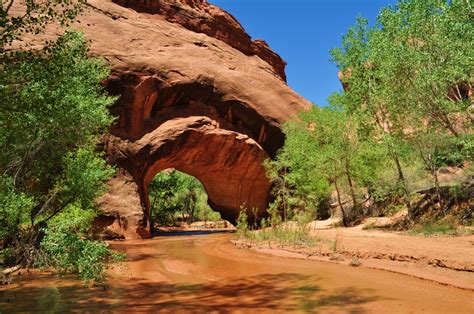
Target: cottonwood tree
[(53, 109), (322, 151), (367, 97), (173, 193), (292, 172), (412, 69), (434, 77), (426, 46)]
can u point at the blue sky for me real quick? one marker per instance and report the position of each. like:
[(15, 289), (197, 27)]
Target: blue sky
[(303, 32)]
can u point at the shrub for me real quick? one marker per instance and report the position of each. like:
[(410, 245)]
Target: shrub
[(274, 229), (355, 262), (14, 209), (435, 228), (66, 248), (67, 252), (242, 224)]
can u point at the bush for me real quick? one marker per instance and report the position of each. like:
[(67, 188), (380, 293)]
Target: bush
[(205, 213), (242, 224), (275, 230), (14, 209), (455, 152), (66, 245), (66, 248), (67, 252), (435, 228)]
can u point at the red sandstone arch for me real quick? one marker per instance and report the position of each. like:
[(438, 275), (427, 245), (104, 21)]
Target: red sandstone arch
[(229, 165), (194, 127), (196, 94)]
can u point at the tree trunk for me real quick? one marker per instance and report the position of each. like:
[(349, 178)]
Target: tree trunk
[(351, 185), (193, 206), (401, 177), (344, 218), (434, 173), (284, 197), (403, 182), (448, 124)]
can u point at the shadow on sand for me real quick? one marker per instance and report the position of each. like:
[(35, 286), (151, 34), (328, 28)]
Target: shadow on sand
[(269, 292)]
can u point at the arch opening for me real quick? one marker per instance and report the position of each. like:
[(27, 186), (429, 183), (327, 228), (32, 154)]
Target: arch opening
[(180, 200)]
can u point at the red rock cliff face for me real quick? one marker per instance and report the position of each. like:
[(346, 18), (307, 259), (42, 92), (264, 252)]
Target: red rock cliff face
[(195, 94), (202, 17)]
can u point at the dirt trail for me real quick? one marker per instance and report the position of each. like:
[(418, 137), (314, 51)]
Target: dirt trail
[(209, 274)]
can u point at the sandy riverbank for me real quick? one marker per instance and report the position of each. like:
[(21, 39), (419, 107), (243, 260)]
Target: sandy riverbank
[(447, 260)]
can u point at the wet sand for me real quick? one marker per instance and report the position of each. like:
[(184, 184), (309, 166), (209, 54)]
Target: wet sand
[(206, 273)]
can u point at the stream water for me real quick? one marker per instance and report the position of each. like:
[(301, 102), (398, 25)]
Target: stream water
[(206, 273)]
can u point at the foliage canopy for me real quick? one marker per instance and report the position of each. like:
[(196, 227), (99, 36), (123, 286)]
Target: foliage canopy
[(406, 101), (53, 110)]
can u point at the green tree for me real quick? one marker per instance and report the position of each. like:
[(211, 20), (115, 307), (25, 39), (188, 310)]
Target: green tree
[(163, 203), (410, 74), (53, 109), (173, 193), (437, 68), (322, 151), (406, 83), (430, 84), (368, 96), (293, 174)]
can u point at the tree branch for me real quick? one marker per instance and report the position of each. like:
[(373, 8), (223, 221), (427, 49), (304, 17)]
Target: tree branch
[(57, 211), (9, 6)]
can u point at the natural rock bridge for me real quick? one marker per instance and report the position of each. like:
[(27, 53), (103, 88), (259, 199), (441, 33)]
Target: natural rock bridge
[(196, 94)]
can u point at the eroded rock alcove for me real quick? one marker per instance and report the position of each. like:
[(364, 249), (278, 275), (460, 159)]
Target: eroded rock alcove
[(195, 94)]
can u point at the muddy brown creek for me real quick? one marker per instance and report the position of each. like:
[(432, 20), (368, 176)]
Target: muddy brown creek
[(206, 273)]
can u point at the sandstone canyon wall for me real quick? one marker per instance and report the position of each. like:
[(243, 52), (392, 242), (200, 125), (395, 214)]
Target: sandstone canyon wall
[(196, 94)]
